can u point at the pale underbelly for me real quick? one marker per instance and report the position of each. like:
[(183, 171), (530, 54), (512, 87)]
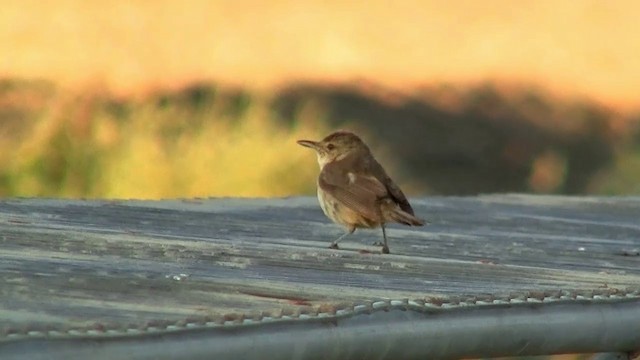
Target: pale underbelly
[(341, 214)]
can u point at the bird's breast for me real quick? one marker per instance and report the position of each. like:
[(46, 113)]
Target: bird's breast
[(341, 214), (326, 204)]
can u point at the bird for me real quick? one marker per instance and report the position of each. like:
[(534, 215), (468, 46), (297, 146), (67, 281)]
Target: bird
[(354, 190)]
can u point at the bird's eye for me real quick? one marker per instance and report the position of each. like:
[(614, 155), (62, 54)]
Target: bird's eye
[(331, 147)]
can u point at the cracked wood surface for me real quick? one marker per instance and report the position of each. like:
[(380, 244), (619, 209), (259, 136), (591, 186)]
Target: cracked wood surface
[(75, 263)]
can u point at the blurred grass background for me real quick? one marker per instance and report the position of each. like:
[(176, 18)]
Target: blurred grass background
[(205, 98), (208, 140), (197, 142)]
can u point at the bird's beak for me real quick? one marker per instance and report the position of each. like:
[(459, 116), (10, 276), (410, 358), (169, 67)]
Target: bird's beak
[(310, 144)]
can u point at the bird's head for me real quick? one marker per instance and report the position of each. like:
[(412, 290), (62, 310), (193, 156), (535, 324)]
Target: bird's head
[(335, 146)]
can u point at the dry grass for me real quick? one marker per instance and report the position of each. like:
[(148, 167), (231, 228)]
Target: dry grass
[(80, 140), (158, 147), (252, 157), (206, 141)]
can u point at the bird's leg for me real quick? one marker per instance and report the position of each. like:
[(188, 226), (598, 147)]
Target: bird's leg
[(385, 247), (334, 244)]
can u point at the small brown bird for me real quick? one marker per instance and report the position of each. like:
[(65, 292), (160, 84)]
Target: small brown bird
[(353, 188)]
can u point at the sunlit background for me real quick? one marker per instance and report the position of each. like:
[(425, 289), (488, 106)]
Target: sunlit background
[(165, 99)]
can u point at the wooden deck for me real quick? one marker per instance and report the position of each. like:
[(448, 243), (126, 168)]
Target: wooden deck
[(246, 278)]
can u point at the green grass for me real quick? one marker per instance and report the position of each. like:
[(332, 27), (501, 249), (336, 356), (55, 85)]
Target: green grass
[(209, 141), (187, 144)]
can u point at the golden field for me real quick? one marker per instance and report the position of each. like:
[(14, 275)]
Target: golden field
[(584, 47), (156, 99)]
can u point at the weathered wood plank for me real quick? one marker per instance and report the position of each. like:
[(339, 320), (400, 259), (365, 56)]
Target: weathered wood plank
[(122, 264)]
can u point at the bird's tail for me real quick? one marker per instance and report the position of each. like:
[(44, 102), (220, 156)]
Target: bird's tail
[(404, 217)]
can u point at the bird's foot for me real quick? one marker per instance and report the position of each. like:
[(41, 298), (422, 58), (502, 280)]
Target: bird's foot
[(385, 248), (333, 246)]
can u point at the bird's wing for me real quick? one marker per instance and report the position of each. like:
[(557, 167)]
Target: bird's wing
[(393, 190), (359, 192)]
